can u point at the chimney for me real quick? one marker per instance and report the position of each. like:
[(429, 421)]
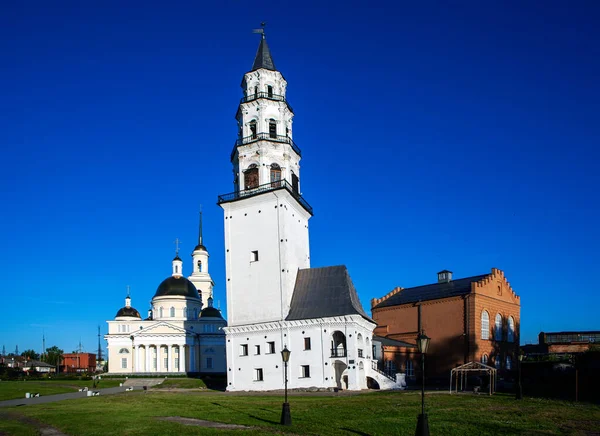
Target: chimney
[(444, 276)]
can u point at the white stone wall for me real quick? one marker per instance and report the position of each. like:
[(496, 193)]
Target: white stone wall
[(241, 370), (260, 291)]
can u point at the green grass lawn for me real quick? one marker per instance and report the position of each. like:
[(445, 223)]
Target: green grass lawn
[(374, 413), (10, 390), (181, 383)]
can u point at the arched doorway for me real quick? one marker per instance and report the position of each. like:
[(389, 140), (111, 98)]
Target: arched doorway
[(338, 344), (339, 368)]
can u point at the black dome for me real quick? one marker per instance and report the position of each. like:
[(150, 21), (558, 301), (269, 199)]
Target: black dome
[(200, 247), (210, 312), (177, 286), (128, 311)]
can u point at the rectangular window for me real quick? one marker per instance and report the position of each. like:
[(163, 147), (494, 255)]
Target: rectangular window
[(307, 343), (209, 363), (360, 353), (124, 363), (271, 347), (257, 349), (272, 129), (270, 91), (254, 256), (243, 350), (305, 371), (258, 374)]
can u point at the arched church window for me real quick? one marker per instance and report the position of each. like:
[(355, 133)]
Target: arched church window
[(251, 177), (199, 266), (252, 126), (485, 325), (498, 328), (275, 175), (270, 91), (511, 329), (172, 312), (272, 128), (176, 269), (255, 91)]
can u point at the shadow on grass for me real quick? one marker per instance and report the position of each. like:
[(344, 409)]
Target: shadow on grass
[(361, 433), (258, 418)]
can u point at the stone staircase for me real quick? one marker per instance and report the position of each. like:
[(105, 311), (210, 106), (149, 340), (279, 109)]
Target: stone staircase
[(386, 381), (140, 382)]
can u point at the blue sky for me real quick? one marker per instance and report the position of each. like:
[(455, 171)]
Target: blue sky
[(436, 135)]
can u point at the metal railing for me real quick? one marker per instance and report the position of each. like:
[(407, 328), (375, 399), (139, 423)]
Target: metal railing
[(338, 352), (271, 186), (265, 137), (270, 96), (374, 368)]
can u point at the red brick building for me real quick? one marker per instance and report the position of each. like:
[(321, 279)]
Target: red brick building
[(78, 362), (469, 319)]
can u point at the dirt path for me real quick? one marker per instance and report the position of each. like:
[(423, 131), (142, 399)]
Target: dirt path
[(44, 429)]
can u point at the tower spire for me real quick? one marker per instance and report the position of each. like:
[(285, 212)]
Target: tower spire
[(200, 228), (263, 58)]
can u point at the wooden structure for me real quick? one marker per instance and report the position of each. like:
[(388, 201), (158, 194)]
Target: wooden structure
[(463, 371)]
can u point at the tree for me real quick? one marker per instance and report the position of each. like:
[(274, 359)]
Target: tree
[(54, 355), (30, 354)]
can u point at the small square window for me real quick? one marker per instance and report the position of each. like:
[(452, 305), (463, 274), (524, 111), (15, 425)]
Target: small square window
[(257, 349), (271, 347), (244, 350), (254, 256), (307, 343), (258, 374), (305, 371)]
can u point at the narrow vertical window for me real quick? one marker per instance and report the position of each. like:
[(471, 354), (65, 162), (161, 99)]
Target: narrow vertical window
[(257, 350), (508, 364), (270, 91), (498, 327), (251, 177), (295, 183), (272, 129), (258, 374), (254, 256), (209, 363), (252, 126), (160, 312), (485, 325), (172, 312), (176, 269), (271, 347), (255, 91), (484, 359), (275, 176), (199, 266), (244, 350), (511, 329), (124, 363), (307, 343)]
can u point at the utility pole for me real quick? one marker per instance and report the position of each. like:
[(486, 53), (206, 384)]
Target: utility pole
[(99, 349), (43, 347)]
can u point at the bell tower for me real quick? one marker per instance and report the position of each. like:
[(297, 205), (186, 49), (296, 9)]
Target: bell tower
[(266, 218), (200, 276)]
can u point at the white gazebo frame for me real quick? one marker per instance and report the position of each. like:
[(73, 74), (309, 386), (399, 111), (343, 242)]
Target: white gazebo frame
[(463, 371)]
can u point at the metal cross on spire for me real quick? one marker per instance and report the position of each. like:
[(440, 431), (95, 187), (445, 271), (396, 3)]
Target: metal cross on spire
[(261, 30), (177, 242)]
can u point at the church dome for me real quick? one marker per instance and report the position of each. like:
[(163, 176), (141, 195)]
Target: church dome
[(210, 312), (128, 311), (177, 286)]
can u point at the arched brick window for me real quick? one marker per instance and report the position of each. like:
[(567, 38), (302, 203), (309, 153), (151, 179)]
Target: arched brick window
[(251, 177), (508, 364), (498, 328), (511, 329), (485, 325), (484, 359)]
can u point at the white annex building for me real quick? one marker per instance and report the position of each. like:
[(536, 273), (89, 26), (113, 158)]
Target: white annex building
[(274, 298), (178, 336)]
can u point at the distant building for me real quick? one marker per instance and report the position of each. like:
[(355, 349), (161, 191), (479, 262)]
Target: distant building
[(179, 335), (78, 363), (39, 366), (560, 343), (468, 319)]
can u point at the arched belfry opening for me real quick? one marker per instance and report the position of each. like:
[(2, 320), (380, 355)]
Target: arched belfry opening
[(251, 177)]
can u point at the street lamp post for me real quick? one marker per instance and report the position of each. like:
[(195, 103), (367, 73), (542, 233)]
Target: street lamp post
[(286, 417), (422, 423), (520, 386)]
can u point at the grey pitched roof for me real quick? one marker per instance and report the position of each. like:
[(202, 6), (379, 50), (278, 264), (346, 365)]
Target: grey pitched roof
[(434, 291), (324, 292), (263, 57)]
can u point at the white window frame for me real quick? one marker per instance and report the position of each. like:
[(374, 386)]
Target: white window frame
[(304, 371), (485, 325), (258, 375), (243, 349)]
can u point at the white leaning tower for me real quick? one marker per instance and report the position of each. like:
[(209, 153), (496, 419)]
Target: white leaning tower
[(266, 219)]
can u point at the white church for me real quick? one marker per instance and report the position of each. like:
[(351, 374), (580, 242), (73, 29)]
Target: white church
[(275, 300), (179, 335)]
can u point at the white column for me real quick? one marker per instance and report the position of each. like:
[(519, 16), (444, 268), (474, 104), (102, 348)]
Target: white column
[(172, 359), (181, 358), (158, 365), (137, 358), (147, 358)]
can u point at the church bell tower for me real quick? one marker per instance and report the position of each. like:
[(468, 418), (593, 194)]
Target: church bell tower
[(266, 218)]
